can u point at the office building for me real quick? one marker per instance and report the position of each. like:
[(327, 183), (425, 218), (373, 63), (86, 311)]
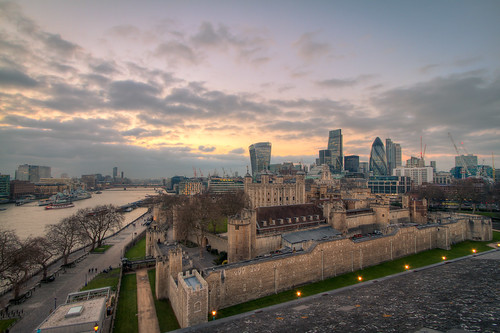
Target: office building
[(4, 188), (397, 149), (32, 173), (378, 159), (335, 145), (351, 163), (418, 175), (389, 184), (364, 168), (115, 172), (260, 157)]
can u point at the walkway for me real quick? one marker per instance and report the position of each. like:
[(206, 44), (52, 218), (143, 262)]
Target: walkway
[(148, 322), (50, 295)]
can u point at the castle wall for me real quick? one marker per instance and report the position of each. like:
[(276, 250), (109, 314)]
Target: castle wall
[(358, 220), (267, 244), (399, 214), (215, 241), (242, 282)]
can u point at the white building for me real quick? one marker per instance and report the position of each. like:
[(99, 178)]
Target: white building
[(418, 175)]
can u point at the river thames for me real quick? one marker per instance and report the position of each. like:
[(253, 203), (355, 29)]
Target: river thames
[(31, 219)]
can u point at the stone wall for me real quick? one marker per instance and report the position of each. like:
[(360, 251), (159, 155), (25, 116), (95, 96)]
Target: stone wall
[(190, 303), (267, 244), (241, 282)]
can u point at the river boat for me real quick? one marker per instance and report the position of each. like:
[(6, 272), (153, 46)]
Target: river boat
[(45, 202), (98, 192), (60, 205)]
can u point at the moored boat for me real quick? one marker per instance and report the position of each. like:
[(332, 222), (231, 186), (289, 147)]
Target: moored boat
[(60, 205)]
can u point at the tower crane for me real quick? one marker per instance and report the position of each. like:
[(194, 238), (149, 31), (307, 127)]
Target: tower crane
[(465, 168)]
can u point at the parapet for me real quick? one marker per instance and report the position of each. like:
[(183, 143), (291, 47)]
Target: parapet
[(192, 281)]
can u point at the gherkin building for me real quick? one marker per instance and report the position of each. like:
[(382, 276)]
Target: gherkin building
[(378, 160)]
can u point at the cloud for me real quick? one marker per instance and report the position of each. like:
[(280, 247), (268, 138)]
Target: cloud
[(206, 149), (238, 151), (15, 78), (309, 49), (175, 52), (341, 83)]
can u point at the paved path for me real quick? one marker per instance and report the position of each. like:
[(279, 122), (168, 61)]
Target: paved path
[(460, 296), (49, 295), (148, 323)]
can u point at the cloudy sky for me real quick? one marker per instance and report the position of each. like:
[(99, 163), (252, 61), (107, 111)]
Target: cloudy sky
[(159, 87)]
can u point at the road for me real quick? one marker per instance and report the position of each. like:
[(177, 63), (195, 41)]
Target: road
[(45, 298)]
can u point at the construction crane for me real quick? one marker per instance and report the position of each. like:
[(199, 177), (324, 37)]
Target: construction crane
[(465, 168), (201, 173), (194, 171)]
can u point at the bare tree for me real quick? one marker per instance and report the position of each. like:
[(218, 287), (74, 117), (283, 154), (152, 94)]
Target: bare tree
[(95, 223), (43, 253), (65, 236), (16, 263)]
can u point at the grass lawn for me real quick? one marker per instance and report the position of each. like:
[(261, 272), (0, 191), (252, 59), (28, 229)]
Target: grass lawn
[(126, 314), (5, 324), (138, 250), (496, 236), (101, 280), (101, 249), (164, 312), (396, 266)]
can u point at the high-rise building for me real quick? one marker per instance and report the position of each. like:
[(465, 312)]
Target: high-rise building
[(32, 173), (351, 163), (364, 168), (390, 155), (260, 157), (393, 155), (399, 159), (335, 144), (378, 159), (4, 188), (115, 172), (433, 165), (468, 163)]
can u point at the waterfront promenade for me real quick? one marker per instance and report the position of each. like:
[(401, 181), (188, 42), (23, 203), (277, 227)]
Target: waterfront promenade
[(459, 296), (44, 298)]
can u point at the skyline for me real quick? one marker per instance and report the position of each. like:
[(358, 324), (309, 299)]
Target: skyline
[(157, 87)]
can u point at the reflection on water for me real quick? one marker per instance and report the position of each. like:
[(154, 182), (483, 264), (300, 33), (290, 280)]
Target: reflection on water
[(31, 219)]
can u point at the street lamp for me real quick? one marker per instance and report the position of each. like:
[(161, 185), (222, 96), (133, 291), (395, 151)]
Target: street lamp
[(298, 293), (443, 257), (96, 327), (407, 267), (360, 278), (474, 250), (214, 313)]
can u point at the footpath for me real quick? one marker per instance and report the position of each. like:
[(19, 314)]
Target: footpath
[(45, 297)]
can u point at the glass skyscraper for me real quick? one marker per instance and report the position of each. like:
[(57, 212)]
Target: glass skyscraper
[(335, 146), (378, 159), (260, 157)]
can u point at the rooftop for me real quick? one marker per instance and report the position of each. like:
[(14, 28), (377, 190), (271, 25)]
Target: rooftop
[(311, 234)]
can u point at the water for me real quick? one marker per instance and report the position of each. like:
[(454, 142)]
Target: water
[(31, 219)]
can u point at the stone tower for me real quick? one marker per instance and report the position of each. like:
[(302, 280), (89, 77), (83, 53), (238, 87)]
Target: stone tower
[(242, 234)]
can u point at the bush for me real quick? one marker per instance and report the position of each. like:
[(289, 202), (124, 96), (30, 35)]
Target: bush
[(221, 258)]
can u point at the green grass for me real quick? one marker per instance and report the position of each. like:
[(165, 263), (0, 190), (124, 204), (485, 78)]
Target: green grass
[(126, 313), (164, 312), (101, 249), (101, 280), (388, 268), (138, 250), (496, 236), (489, 214), (5, 324)]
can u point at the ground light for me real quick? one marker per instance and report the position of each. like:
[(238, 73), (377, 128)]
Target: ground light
[(443, 257), (214, 313), (474, 251), (407, 267), (298, 293), (360, 278)]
